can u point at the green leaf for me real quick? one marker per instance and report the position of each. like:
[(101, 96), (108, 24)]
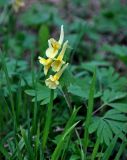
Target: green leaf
[(3, 2), (77, 90), (95, 150), (93, 127), (67, 78), (48, 120), (81, 88), (109, 79), (75, 157), (56, 153), (110, 96), (122, 107), (89, 110), (90, 66), (110, 148), (117, 127), (68, 128), (33, 16), (107, 131), (27, 143), (121, 150), (112, 122), (4, 152), (43, 37), (115, 115), (42, 93), (119, 51)]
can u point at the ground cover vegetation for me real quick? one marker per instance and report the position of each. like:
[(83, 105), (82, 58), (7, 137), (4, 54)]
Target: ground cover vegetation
[(63, 81)]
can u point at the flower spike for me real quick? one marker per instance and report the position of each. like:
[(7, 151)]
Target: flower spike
[(54, 45), (53, 81), (46, 62), (17, 4), (58, 62), (61, 36)]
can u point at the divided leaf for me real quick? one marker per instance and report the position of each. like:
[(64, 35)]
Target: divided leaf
[(42, 93), (122, 107), (110, 96), (113, 122)]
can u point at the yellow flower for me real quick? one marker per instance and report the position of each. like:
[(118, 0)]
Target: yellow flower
[(46, 62), (58, 62), (54, 45), (53, 81), (17, 4)]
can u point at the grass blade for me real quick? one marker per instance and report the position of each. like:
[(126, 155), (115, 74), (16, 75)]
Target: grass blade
[(4, 152), (48, 120), (57, 151), (89, 111), (82, 155), (9, 89), (28, 146), (95, 150), (70, 122), (110, 148), (121, 149), (34, 122), (37, 141), (67, 127)]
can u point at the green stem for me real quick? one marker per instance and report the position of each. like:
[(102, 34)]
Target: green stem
[(9, 89), (34, 127), (70, 109), (48, 120), (89, 112), (121, 150), (66, 97), (96, 146)]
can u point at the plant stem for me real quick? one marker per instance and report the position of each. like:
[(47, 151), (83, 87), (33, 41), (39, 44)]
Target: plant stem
[(66, 98), (10, 91), (82, 155), (103, 105), (89, 112), (121, 150), (48, 120), (70, 109), (96, 146)]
